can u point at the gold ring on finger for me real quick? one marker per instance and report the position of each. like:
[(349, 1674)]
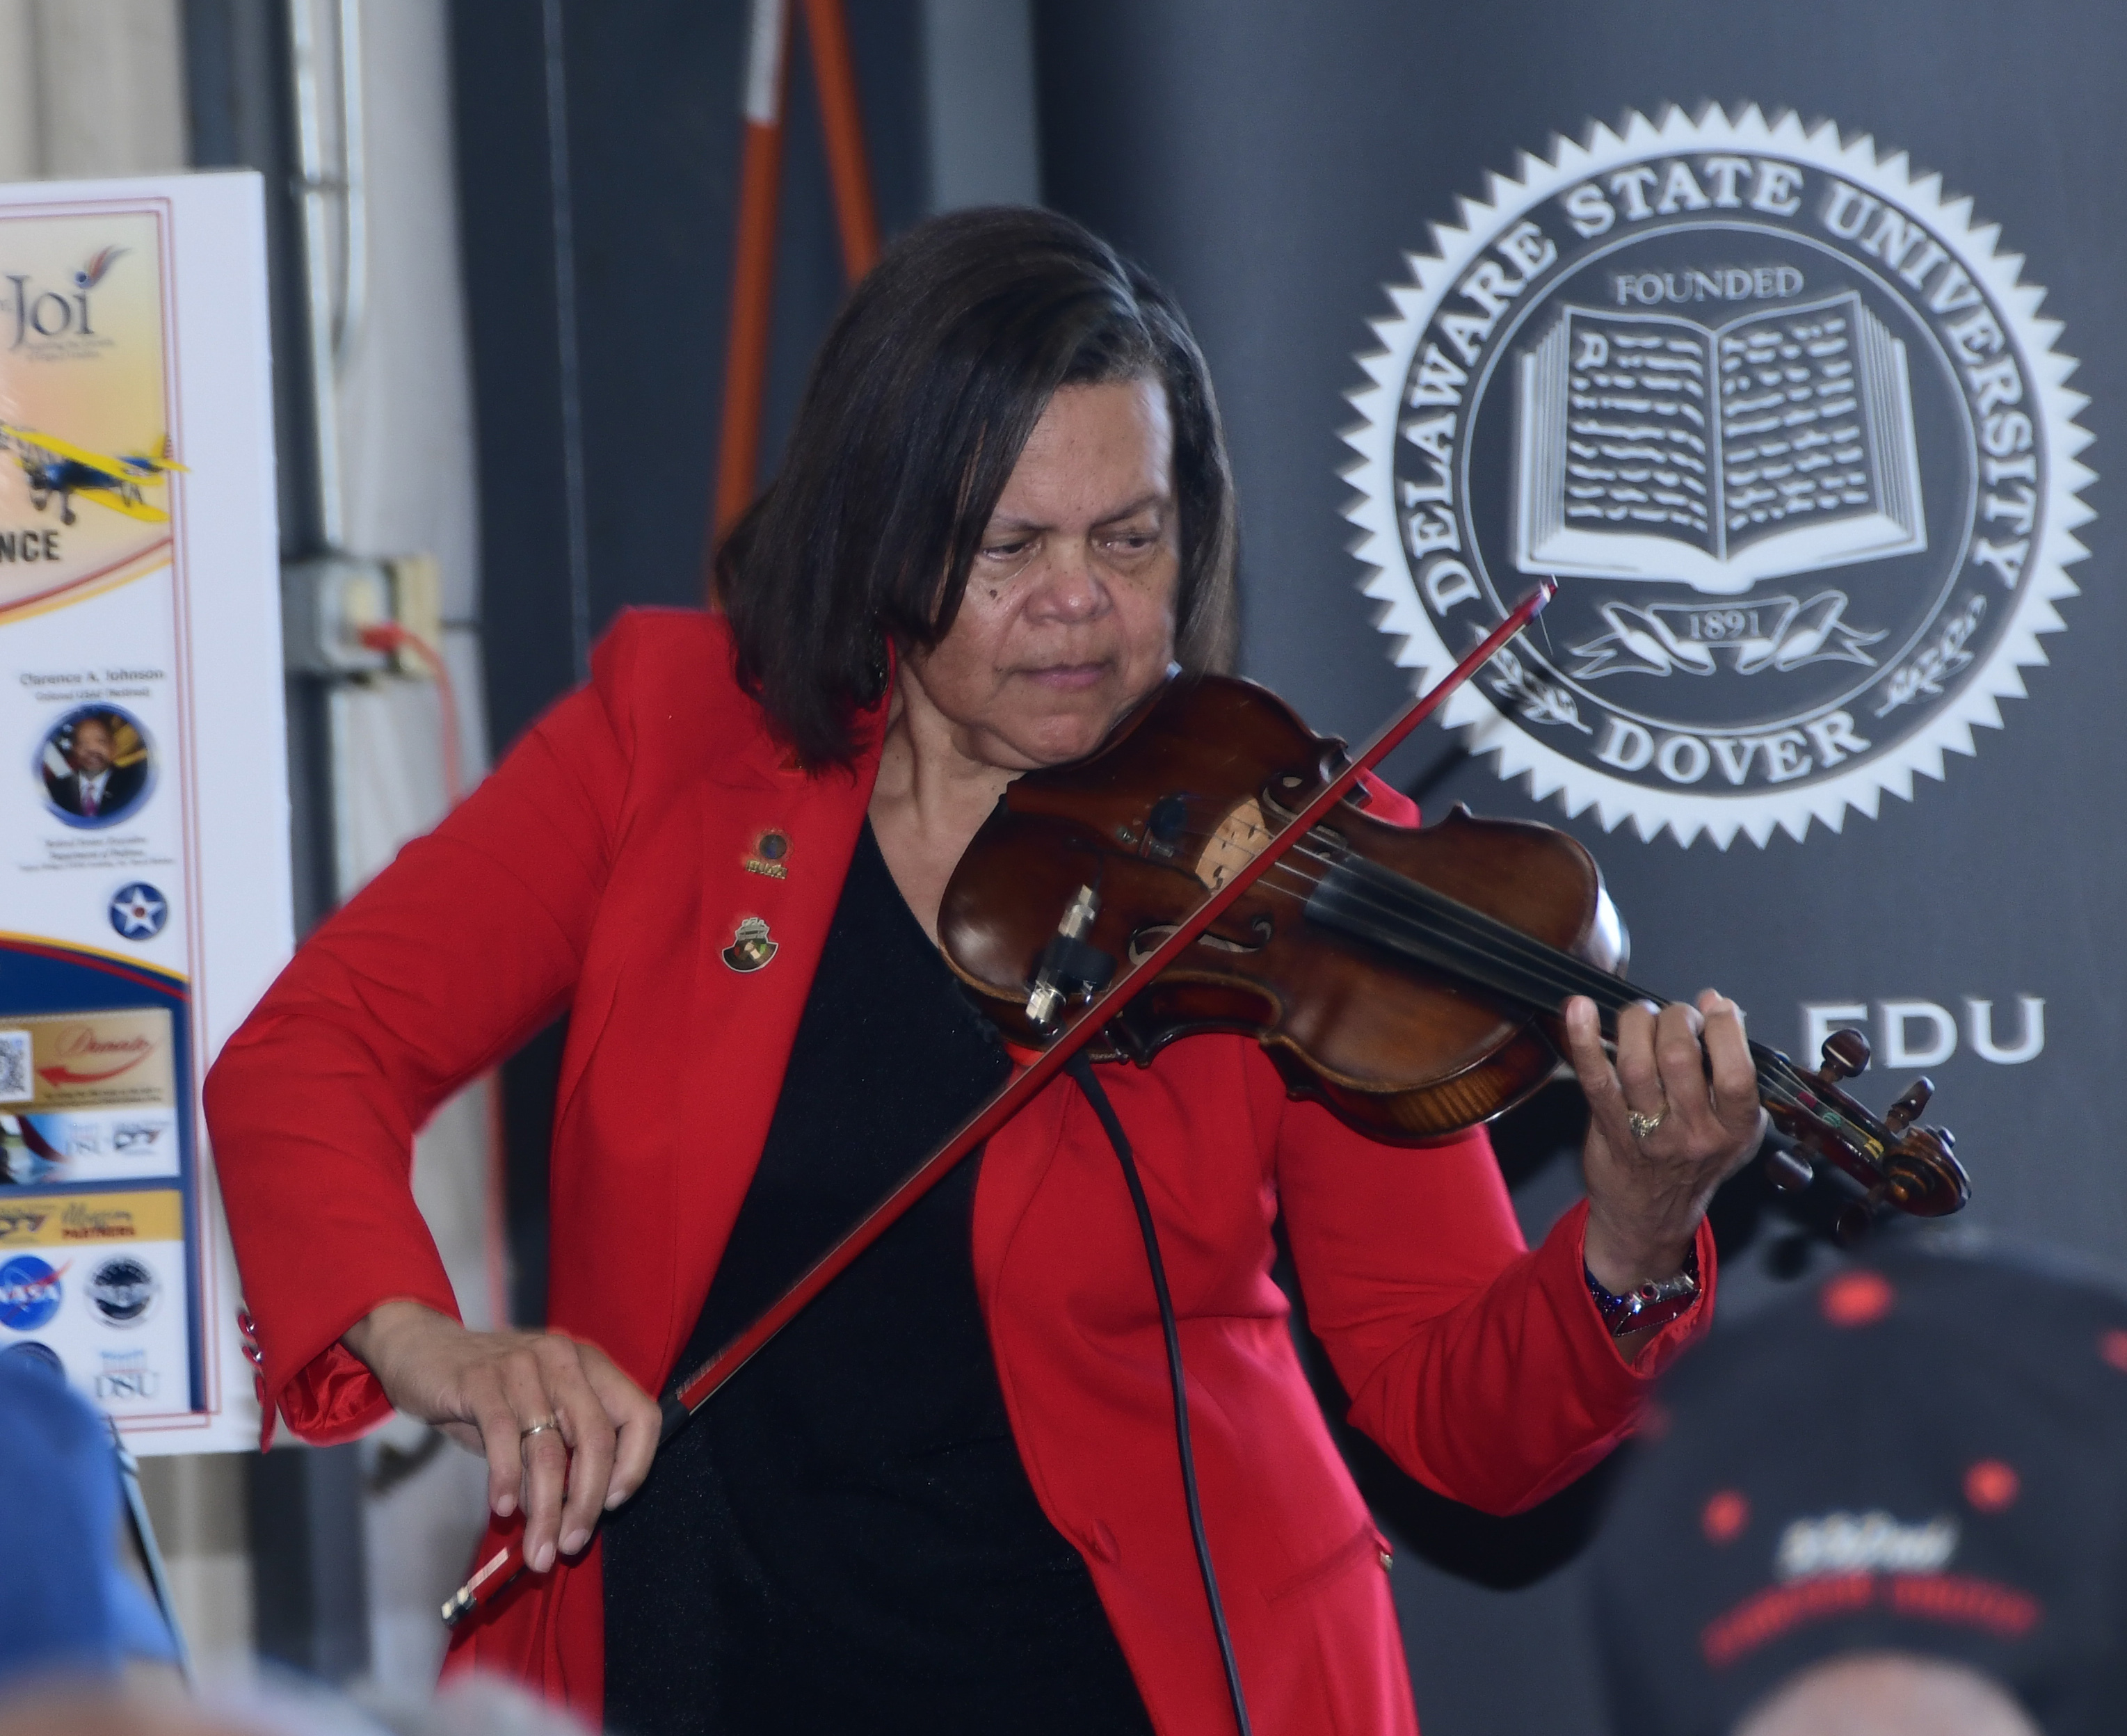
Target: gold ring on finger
[(1642, 1125), (537, 1428)]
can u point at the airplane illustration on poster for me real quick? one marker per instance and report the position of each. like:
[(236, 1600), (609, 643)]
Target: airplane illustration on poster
[(59, 469)]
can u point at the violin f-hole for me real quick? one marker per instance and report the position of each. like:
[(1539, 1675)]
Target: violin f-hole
[(1146, 940)]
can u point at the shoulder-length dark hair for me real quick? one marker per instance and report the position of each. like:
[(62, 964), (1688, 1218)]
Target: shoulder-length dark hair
[(918, 404)]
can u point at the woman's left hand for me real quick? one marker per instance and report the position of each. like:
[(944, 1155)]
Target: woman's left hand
[(1688, 1071)]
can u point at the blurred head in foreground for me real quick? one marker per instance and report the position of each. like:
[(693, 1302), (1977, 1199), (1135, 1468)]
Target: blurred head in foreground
[(468, 1706), (67, 1608), (1888, 1693), (1892, 1502)]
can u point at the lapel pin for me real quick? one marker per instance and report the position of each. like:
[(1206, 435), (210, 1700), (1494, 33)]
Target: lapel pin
[(750, 948), (768, 850)]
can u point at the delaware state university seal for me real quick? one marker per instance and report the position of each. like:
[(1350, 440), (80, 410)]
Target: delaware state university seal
[(1790, 432)]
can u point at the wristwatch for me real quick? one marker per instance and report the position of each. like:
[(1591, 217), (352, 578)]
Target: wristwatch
[(1652, 1304)]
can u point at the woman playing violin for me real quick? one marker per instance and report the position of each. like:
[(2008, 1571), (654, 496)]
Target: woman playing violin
[(947, 1496)]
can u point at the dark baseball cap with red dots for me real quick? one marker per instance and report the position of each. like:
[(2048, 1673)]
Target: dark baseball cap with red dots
[(1920, 1452)]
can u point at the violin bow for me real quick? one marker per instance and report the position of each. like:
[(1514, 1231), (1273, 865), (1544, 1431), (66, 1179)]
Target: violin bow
[(1083, 1023)]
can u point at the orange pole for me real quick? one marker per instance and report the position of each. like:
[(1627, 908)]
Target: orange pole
[(753, 271), (841, 119)]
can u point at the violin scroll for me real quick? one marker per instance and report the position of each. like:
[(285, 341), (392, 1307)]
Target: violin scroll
[(1912, 1168)]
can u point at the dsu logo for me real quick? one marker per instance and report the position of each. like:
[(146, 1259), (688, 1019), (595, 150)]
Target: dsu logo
[(126, 1376), (33, 312), (1788, 430)]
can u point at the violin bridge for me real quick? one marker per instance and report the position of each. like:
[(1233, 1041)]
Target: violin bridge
[(1237, 840)]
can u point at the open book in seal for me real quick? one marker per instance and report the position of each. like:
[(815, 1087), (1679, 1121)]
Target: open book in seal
[(1653, 447)]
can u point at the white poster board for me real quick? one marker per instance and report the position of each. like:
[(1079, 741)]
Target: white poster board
[(144, 878)]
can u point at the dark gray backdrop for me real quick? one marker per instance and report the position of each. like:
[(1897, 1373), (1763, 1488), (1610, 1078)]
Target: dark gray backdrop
[(1273, 163)]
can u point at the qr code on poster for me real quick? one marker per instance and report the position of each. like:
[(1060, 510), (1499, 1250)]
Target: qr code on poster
[(16, 1085)]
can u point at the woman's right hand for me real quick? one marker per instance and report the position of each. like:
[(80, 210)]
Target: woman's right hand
[(488, 1390)]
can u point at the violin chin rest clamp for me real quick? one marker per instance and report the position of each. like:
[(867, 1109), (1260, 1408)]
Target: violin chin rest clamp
[(1070, 965)]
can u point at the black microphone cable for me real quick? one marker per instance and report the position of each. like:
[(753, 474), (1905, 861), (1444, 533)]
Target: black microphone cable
[(1080, 1069)]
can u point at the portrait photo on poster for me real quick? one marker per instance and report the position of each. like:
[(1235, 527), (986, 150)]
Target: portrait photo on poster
[(97, 765)]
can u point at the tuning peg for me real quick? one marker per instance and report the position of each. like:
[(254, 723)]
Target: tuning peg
[(1846, 1054), (1903, 1113), (1853, 1225), (1787, 1170)]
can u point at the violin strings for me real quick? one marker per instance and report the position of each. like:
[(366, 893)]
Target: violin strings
[(1552, 967), (1555, 968), (1518, 967), (1555, 972), (1485, 946), (1492, 937), (1489, 937), (1481, 940)]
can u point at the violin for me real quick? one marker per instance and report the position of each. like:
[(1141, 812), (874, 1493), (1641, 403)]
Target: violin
[(1411, 981), (1212, 867)]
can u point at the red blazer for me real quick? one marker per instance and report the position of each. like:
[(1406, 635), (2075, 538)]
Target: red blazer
[(602, 870)]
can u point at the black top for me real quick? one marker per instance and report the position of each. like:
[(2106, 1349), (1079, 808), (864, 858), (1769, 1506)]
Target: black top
[(844, 1538)]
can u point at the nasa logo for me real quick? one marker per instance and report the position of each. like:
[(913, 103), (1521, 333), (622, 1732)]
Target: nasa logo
[(124, 1289), (1788, 428), (31, 1292)]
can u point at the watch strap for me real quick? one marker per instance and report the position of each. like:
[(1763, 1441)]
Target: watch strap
[(1650, 1305)]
